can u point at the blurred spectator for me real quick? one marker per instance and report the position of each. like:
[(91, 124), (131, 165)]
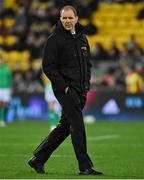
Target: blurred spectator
[(35, 43), (90, 28), (3, 29), (114, 53), (99, 53), (7, 12), (18, 45), (122, 1), (109, 79), (61, 3), (86, 7), (53, 105), (18, 79), (131, 44), (5, 88), (140, 15), (119, 78), (134, 81), (132, 53), (53, 14), (33, 78)]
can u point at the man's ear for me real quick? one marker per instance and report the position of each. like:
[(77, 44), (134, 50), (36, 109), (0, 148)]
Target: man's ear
[(60, 18), (77, 18)]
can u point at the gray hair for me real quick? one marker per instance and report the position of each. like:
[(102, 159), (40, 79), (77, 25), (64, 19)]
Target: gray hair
[(68, 7)]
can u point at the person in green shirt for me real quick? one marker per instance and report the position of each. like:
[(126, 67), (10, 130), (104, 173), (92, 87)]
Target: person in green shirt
[(5, 88), (53, 105)]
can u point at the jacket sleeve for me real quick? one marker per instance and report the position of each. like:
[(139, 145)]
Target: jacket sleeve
[(50, 64), (89, 65)]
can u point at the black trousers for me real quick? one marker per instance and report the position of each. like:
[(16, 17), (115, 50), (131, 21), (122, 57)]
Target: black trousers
[(71, 123)]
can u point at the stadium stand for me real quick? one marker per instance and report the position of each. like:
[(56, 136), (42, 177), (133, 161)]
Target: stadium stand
[(117, 22), (115, 33)]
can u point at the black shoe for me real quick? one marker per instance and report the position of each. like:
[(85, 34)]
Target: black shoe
[(38, 167), (90, 172)]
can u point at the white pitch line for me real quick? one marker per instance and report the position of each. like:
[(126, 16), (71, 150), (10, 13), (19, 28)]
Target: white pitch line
[(19, 144), (104, 137), (24, 155), (53, 156), (92, 138)]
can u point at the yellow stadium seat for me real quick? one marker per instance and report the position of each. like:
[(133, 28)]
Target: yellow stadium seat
[(24, 66), (10, 40), (11, 4), (43, 5), (25, 56), (117, 22), (9, 22), (14, 56), (36, 64), (84, 22)]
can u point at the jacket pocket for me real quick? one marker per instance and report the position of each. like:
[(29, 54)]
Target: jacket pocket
[(73, 97)]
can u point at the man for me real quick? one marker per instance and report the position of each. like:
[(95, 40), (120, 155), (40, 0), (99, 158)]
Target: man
[(5, 88), (133, 80), (66, 64)]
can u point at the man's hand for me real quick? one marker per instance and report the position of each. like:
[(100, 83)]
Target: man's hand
[(66, 90)]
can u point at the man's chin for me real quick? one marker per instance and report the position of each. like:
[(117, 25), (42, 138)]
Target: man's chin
[(68, 29)]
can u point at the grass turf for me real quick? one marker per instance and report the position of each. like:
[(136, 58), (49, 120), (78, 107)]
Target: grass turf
[(116, 148)]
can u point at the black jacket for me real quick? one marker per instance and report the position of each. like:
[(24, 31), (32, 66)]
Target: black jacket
[(66, 60)]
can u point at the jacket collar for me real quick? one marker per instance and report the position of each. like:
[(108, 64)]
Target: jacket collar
[(60, 29)]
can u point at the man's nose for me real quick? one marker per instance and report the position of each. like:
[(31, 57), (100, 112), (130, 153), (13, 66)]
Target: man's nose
[(67, 20)]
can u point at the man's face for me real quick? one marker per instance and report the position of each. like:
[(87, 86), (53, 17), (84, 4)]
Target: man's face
[(68, 20)]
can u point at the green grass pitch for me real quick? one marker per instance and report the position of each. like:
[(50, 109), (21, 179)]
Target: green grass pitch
[(116, 148)]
